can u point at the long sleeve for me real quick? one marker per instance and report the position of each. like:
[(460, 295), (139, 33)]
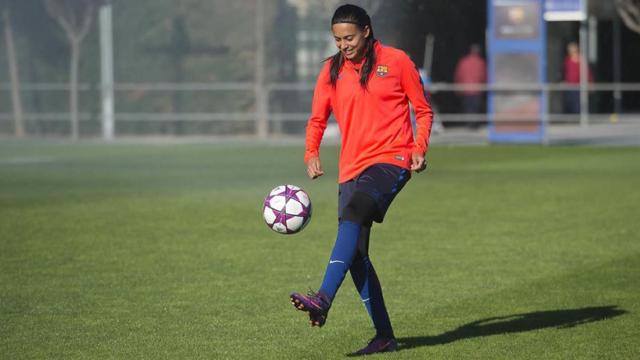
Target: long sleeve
[(424, 115), (320, 111)]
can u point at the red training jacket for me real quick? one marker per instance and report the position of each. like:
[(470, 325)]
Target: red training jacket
[(374, 123), (572, 71), (471, 69)]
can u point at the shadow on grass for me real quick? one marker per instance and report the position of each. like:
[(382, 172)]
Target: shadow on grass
[(515, 323)]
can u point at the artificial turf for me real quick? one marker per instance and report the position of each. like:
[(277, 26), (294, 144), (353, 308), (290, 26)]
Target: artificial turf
[(141, 251)]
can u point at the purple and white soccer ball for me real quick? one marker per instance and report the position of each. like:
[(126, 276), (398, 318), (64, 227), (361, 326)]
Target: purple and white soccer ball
[(287, 209)]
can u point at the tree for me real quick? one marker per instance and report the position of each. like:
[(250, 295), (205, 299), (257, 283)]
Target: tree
[(629, 11), (14, 75), (75, 18)]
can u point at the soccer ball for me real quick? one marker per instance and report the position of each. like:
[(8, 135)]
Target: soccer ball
[(287, 209)]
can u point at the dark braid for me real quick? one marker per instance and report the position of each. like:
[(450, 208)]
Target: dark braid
[(336, 64), (370, 55), (353, 15)]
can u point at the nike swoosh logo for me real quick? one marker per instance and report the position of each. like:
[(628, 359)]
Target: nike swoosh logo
[(335, 261)]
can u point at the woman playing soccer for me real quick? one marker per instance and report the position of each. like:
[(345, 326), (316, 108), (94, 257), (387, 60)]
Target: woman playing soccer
[(368, 87)]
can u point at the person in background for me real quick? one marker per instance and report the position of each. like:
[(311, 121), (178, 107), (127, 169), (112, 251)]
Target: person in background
[(471, 70), (572, 77)]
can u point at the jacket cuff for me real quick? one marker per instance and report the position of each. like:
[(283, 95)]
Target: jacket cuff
[(310, 154), (417, 149)]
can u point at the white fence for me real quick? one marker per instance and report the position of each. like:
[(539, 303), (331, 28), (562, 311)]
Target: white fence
[(287, 109)]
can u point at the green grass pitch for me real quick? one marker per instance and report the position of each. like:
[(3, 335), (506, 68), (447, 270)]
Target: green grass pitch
[(159, 252)]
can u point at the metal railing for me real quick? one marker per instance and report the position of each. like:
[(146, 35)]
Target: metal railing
[(282, 112)]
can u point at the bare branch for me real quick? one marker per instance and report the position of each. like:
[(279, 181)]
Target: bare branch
[(67, 16), (54, 8), (629, 11), (87, 17)]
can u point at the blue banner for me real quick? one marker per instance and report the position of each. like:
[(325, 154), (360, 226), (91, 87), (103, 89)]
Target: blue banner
[(516, 54)]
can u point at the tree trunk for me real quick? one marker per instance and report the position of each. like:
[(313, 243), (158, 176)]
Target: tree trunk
[(16, 100), (76, 29), (73, 87), (262, 102)]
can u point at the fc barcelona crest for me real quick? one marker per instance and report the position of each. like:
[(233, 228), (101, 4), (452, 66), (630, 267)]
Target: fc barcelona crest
[(382, 70)]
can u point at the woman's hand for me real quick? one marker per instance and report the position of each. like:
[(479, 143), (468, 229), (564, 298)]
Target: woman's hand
[(314, 168), (418, 163)]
